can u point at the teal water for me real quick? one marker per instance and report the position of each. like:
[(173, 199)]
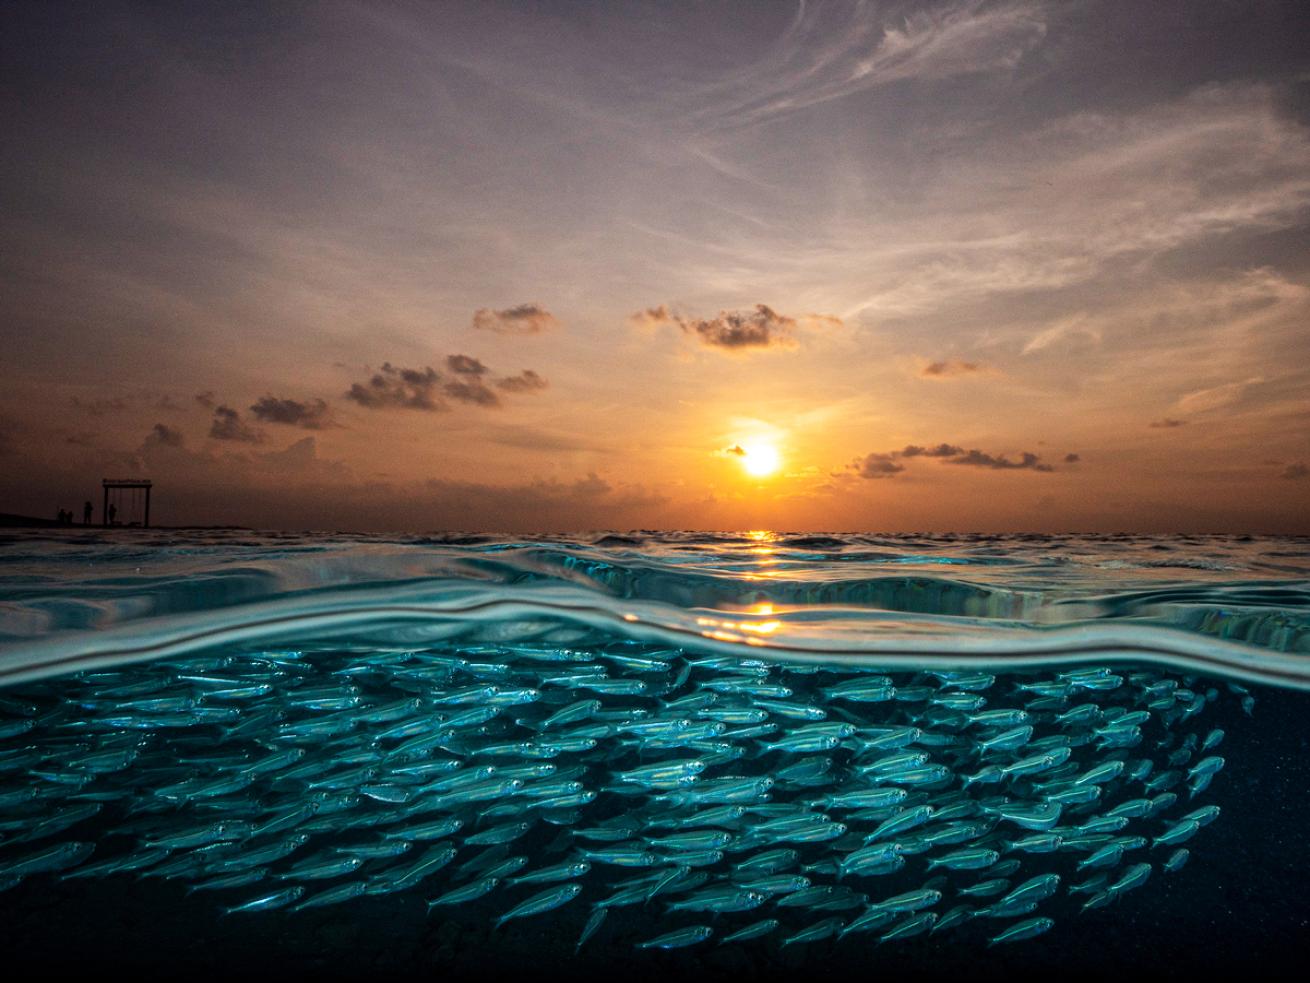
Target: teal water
[(783, 747)]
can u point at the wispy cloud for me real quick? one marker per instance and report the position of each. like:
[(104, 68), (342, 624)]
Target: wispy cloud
[(1216, 397), (836, 50)]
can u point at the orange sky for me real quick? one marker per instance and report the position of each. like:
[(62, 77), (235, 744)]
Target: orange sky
[(961, 265)]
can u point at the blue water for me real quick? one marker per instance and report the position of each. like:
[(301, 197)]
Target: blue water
[(317, 691)]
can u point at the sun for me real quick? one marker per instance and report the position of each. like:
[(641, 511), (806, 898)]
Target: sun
[(760, 460)]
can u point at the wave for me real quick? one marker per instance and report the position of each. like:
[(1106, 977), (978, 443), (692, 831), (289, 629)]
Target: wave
[(1021, 601)]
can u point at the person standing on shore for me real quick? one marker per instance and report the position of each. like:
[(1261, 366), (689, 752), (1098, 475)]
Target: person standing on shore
[(87, 509)]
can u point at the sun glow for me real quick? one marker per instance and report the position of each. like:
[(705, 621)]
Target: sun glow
[(760, 460)]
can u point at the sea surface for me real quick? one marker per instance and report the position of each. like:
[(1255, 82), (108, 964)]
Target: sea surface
[(749, 754)]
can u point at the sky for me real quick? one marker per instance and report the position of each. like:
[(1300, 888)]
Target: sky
[(976, 265)]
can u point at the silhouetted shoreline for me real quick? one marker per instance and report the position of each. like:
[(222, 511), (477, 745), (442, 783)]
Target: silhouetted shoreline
[(10, 520)]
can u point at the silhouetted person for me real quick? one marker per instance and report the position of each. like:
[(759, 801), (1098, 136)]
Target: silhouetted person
[(109, 516), (86, 513)]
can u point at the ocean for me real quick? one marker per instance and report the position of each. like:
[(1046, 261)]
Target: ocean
[(748, 754)]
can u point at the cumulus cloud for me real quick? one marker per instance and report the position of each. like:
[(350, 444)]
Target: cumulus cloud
[(521, 319), (311, 415), (877, 465), (465, 365), (761, 327), (470, 389), (525, 382), (948, 368), (886, 464), (976, 458), (162, 435), (941, 450), (228, 425), (399, 388), (466, 381)]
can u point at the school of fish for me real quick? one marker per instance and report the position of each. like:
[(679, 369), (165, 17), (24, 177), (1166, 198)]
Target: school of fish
[(687, 798)]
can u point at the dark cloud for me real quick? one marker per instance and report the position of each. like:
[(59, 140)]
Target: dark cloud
[(522, 319), (427, 389), (162, 435), (877, 466), (470, 389), (1072, 458), (206, 399), (886, 464), (1167, 424), (940, 370), (397, 388), (762, 327), (976, 458), (941, 450), (736, 450), (465, 365), (525, 382), (311, 415), (228, 425), (1293, 472)]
